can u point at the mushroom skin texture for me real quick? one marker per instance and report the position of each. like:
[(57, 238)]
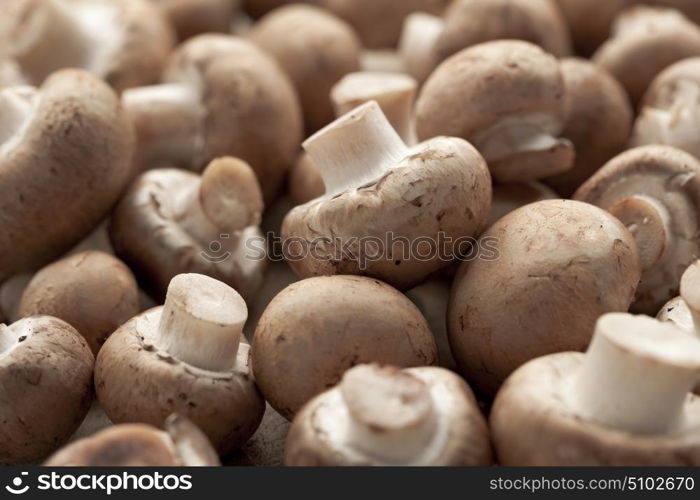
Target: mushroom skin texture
[(670, 113), (655, 192), (194, 17), (337, 322), (160, 229), (45, 387), (92, 291), (558, 410), (598, 123), (390, 212), (645, 41), (516, 306), (221, 95), (181, 444), (382, 415), (65, 153), (515, 121), (186, 357), (325, 49), (124, 42)]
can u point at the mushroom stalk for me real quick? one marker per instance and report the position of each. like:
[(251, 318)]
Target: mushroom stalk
[(418, 43), (15, 108), (202, 322), (356, 149), (637, 375)]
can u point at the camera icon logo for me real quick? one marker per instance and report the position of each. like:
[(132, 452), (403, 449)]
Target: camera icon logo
[(16, 487)]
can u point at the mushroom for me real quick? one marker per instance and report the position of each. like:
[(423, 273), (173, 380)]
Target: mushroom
[(382, 415), (305, 181), (552, 268), (625, 402), (671, 108), (318, 328), (45, 387), (181, 444), (508, 99), (221, 96), (125, 42), (509, 197), (65, 153), (187, 357), (428, 40), (598, 123), (193, 17), (684, 311), (11, 74), (92, 291), (391, 212), (173, 221), (382, 61), (590, 21), (325, 48), (655, 192), (644, 42)]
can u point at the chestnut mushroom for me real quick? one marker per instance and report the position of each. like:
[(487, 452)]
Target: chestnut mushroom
[(324, 49), (390, 212), (382, 415), (65, 152), (194, 17), (45, 387), (181, 444), (645, 41), (337, 322), (92, 291), (187, 357), (655, 192), (124, 42), (508, 99), (515, 303), (173, 221), (598, 122), (221, 95), (626, 401), (590, 21)]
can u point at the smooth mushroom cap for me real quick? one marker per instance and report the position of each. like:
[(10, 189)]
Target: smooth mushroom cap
[(45, 387), (514, 121), (65, 153), (92, 291), (139, 445), (598, 123), (124, 42), (590, 21), (319, 327), (316, 49), (645, 41), (655, 191), (508, 308), (193, 17), (186, 357), (381, 415), (509, 197)]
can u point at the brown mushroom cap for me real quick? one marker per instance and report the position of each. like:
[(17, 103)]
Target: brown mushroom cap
[(514, 120), (381, 415), (193, 17), (150, 232), (559, 265), (324, 49), (139, 445), (65, 160), (590, 21), (45, 387), (319, 327), (655, 191), (166, 361), (124, 42), (645, 41), (92, 291), (305, 181)]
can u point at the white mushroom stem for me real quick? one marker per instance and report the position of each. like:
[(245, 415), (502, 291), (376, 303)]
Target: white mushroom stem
[(649, 222), (7, 339), (690, 293), (637, 375), (202, 322), (391, 413), (393, 92), (382, 60), (169, 124), (356, 149), (15, 109), (417, 45)]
